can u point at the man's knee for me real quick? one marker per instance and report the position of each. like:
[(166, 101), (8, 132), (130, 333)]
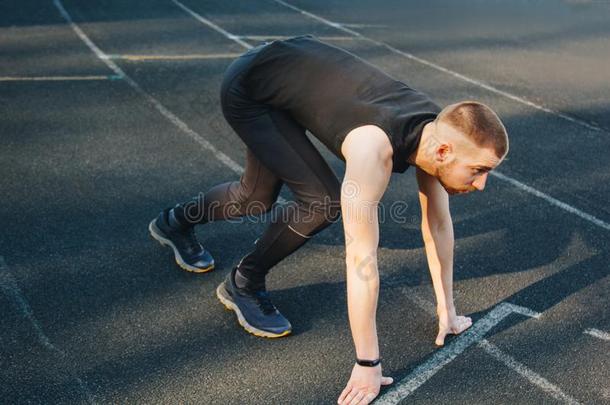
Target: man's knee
[(258, 203)]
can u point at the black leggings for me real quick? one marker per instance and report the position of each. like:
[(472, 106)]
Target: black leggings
[(278, 152)]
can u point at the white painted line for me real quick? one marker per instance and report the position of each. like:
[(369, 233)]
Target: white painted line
[(553, 201), (10, 288), (339, 26), (210, 24), (343, 27), (532, 376), (174, 119), (518, 309), (445, 355), (364, 25), (272, 37), (598, 334), (55, 78), (144, 58)]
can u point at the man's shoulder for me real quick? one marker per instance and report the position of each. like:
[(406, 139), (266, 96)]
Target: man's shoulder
[(368, 141)]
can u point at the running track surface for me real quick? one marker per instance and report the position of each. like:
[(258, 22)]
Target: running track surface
[(109, 112)]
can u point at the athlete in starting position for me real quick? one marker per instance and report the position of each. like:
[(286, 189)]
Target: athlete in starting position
[(376, 124)]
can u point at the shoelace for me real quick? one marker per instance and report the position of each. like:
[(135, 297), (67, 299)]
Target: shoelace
[(264, 302)]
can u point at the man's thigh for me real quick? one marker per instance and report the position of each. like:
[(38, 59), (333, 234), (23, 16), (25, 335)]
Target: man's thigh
[(281, 145)]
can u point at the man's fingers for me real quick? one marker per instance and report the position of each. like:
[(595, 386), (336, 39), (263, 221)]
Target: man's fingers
[(359, 396), (343, 394), (347, 395), (369, 398), (386, 380), (440, 339), (352, 395), (461, 324)]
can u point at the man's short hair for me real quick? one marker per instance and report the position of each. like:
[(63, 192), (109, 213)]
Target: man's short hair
[(479, 123)]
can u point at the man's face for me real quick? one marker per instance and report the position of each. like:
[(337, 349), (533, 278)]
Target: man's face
[(466, 166)]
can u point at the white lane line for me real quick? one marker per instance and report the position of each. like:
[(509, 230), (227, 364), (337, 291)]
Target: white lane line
[(445, 355), (210, 24), (265, 37), (364, 25), (10, 288), (138, 58), (173, 118), (532, 376), (55, 78), (553, 201), (343, 27), (598, 334)]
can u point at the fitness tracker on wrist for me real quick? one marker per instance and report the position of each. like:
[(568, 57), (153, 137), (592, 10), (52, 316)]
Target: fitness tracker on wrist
[(368, 363)]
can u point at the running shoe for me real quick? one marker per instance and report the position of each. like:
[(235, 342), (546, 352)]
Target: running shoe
[(188, 252), (254, 309)]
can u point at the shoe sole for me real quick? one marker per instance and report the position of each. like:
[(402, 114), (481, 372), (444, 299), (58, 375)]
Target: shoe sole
[(156, 234), (225, 299)]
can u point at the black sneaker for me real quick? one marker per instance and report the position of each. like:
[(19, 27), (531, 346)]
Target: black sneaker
[(190, 255), (254, 309)]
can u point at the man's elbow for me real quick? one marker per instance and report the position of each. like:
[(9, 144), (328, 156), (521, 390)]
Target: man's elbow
[(363, 264), (360, 258)]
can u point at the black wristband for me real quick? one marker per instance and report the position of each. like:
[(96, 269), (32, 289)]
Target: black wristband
[(368, 363)]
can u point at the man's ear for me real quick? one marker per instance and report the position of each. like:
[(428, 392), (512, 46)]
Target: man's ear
[(444, 153)]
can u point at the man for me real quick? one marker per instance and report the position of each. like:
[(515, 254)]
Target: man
[(377, 125)]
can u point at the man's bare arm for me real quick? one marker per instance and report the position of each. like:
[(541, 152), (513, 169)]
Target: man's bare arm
[(437, 233), (368, 157), (368, 168)]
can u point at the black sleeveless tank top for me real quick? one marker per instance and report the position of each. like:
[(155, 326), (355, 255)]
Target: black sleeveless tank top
[(330, 91)]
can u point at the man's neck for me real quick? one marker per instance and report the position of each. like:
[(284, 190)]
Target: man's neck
[(420, 158)]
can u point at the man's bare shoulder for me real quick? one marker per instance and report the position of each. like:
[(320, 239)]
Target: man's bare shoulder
[(367, 141)]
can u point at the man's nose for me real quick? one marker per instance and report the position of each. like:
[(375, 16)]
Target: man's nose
[(479, 183)]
